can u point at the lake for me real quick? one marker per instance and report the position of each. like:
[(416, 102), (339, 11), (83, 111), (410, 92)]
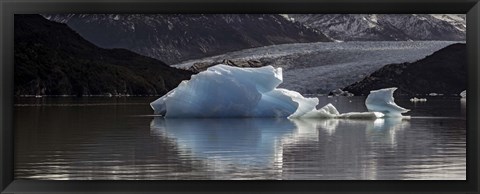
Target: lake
[(101, 138)]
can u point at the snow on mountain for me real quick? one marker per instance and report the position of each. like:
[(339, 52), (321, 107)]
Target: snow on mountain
[(177, 37), (374, 27), (458, 20)]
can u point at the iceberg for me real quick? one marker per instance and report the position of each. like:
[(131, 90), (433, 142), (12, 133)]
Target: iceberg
[(415, 99), (463, 94), (224, 91), (382, 101)]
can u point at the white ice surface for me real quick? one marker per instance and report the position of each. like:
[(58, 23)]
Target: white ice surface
[(382, 101), (329, 111), (415, 99), (225, 91), (463, 94)]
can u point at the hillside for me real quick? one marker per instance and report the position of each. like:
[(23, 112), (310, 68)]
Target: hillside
[(173, 38), (52, 59), (443, 72)]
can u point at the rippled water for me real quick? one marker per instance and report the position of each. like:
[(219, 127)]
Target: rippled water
[(118, 138)]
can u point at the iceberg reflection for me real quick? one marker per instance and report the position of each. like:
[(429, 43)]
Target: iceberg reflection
[(242, 141), (260, 142)]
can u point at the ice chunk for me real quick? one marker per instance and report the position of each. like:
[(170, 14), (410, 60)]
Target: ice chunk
[(382, 101), (329, 111), (463, 94), (226, 91), (415, 99), (362, 115)]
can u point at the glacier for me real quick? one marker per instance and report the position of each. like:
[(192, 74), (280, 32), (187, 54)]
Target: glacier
[(224, 91)]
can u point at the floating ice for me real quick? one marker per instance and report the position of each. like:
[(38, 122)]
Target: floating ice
[(329, 111), (382, 101), (463, 94), (226, 91), (415, 99)]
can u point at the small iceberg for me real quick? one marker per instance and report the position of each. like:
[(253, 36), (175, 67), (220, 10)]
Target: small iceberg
[(415, 99), (463, 94), (224, 91), (382, 101)]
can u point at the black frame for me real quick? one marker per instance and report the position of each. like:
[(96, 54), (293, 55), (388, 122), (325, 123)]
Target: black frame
[(10, 7)]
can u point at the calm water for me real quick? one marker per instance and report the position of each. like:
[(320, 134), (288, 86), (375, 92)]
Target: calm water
[(118, 138)]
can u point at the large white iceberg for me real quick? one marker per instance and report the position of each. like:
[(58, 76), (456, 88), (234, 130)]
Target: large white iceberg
[(226, 91)]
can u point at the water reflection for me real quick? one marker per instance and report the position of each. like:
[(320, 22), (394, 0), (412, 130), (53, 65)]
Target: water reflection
[(105, 141), (379, 130), (251, 144), (463, 105), (240, 141)]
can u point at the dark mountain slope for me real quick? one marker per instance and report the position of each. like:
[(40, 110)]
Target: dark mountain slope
[(445, 72), (52, 59), (173, 38)]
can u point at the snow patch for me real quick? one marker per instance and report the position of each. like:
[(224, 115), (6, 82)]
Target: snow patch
[(374, 18), (455, 20), (286, 16)]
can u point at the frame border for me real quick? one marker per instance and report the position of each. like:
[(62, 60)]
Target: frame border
[(10, 7)]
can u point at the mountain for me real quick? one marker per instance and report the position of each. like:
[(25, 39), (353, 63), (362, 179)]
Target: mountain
[(178, 37), (443, 72), (318, 68), (382, 27), (52, 59), (252, 63)]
